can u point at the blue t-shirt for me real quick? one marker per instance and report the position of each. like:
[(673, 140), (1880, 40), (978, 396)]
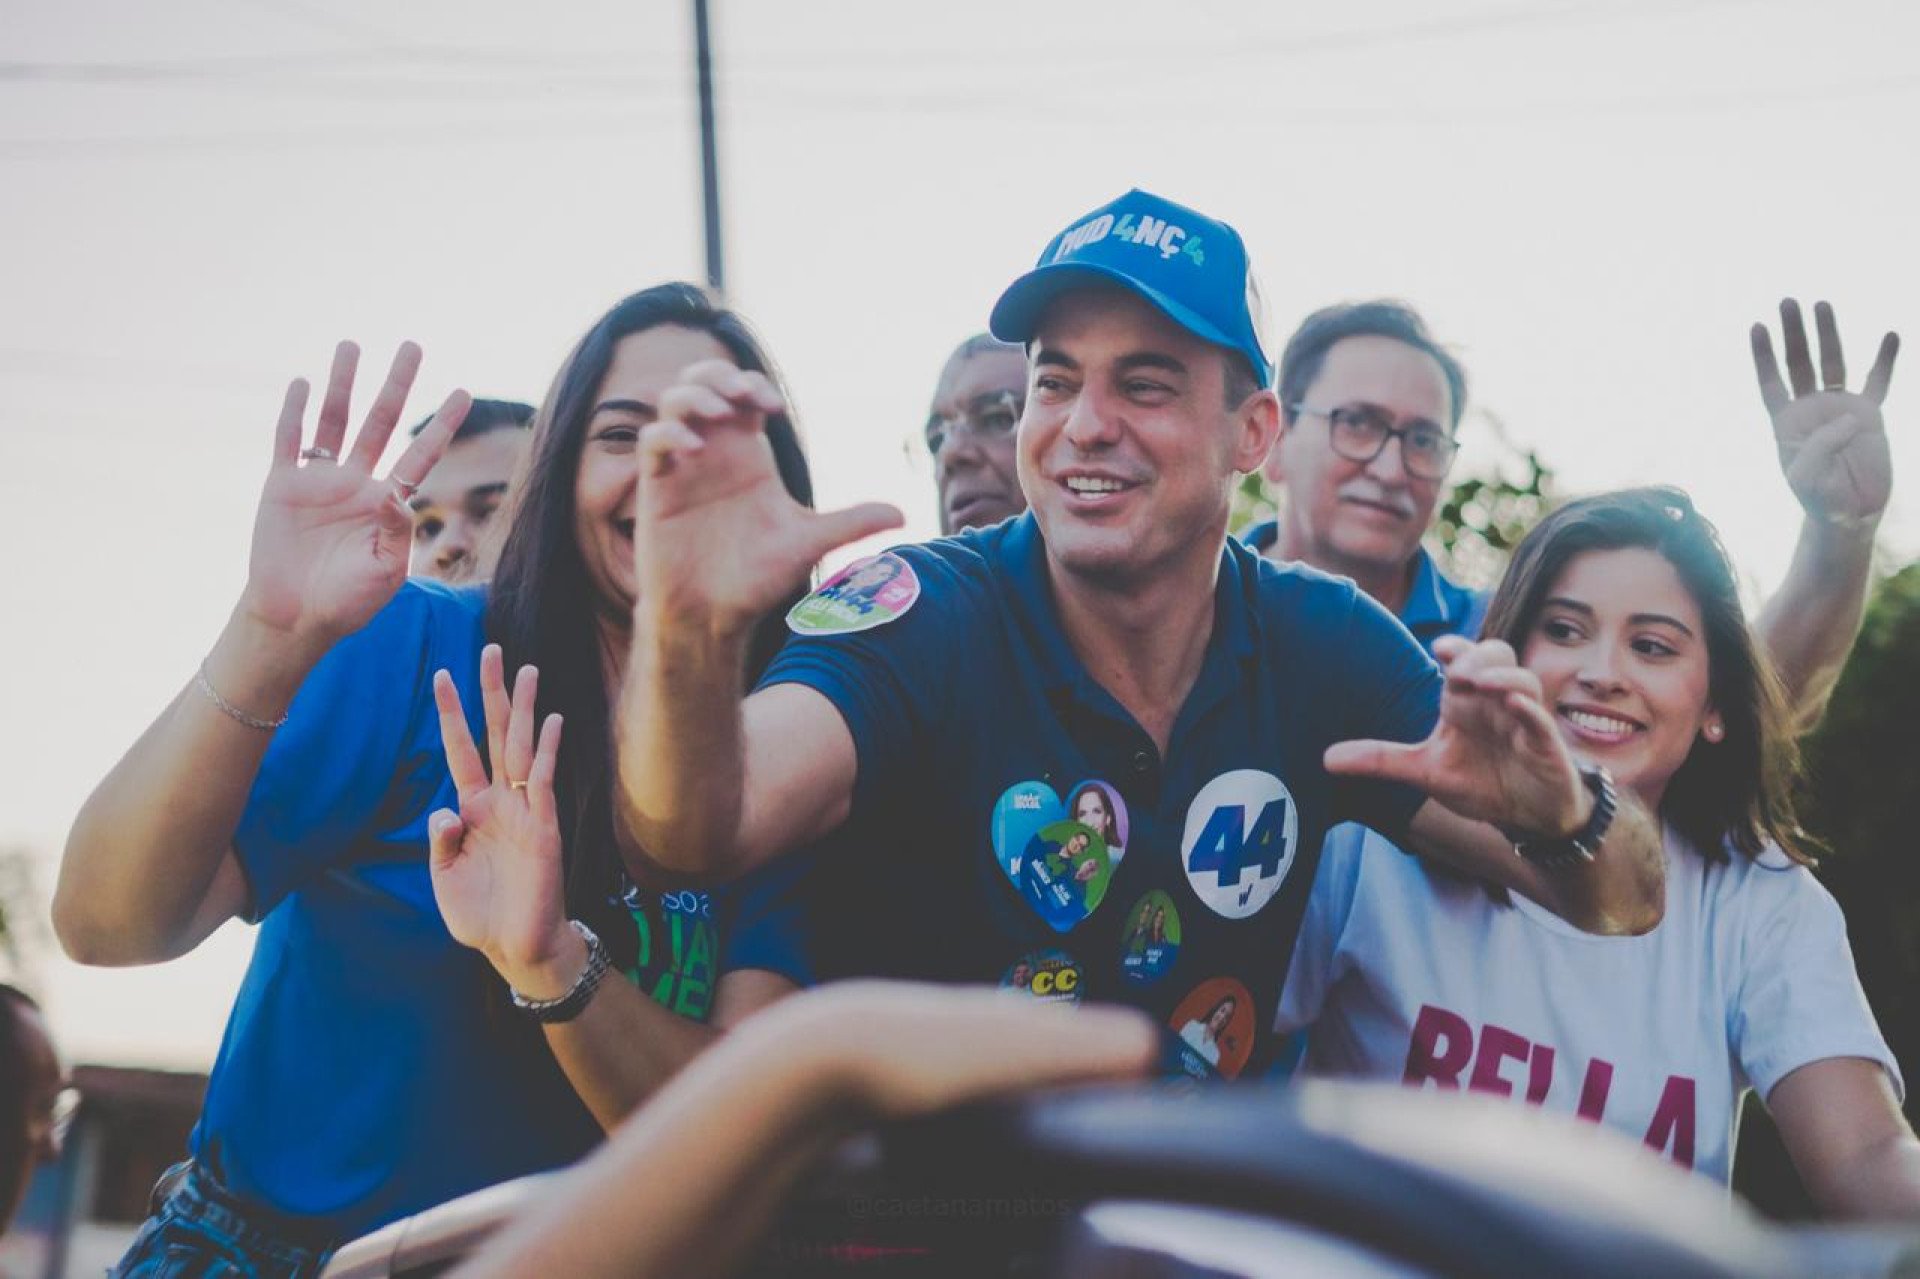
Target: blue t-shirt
[(1436, 605), (1013, 824), (372, 1066)]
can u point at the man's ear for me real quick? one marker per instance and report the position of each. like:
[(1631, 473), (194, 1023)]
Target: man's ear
[(1258, 424)]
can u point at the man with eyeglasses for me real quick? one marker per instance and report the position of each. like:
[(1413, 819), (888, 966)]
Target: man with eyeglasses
[(1370, 408), (970, 430), (1369, 405)]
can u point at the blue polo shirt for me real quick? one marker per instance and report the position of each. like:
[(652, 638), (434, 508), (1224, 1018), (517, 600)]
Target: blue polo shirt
[(1013, 825), (1436, 605), (372, 1066)]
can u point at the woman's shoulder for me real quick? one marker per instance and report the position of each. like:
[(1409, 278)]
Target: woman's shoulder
[(1751, 889), (425, 626), (430, 609)]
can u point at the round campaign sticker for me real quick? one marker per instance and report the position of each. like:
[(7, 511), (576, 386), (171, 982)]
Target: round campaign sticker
[(865, 594), (1049, 975), (1151, 940), (1215, 1026), (1064, 872), (1240, 837)]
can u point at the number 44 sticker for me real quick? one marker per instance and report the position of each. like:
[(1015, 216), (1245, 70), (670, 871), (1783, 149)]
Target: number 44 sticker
[(1241, 835)]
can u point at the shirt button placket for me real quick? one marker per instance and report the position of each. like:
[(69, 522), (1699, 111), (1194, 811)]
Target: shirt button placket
[(1145, 767)]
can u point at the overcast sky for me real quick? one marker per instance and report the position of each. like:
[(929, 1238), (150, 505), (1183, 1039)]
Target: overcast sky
[(1590, 200)]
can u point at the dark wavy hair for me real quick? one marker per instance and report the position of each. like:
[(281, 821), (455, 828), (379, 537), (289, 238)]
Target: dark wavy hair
[(17, 1096), (1737, 791), (542, 605)]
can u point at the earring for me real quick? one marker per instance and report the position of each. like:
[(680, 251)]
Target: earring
[(1714, 731)]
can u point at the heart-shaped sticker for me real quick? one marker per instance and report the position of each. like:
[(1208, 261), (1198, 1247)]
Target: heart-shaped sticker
[(1027, 806), (1064, 873), (1060, 856)]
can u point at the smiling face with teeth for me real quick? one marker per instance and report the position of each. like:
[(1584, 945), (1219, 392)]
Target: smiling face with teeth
[(1128, 450), (1621, 652)]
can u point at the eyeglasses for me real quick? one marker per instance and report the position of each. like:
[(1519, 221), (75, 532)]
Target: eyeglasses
[(987, 418), (1360, 432)]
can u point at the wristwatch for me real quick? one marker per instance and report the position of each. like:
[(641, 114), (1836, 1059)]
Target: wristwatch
[(568, 1006), (1557, 853)]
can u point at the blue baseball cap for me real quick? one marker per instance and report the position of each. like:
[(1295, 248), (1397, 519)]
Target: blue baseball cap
[(1190, 266)]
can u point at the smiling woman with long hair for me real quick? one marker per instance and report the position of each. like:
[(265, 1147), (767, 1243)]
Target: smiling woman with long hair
[(1625, 609), (373, 1064)]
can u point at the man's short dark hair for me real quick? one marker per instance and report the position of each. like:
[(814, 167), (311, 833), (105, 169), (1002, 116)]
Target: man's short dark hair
[(1241, 381), (484, 416), (1306, 352)]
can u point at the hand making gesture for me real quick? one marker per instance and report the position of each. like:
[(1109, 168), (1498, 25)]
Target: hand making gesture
[(330, 539), (718, 540), (1495, 755), (496, 864), (1832, 441)]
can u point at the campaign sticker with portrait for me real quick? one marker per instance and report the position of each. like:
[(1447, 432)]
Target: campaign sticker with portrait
[(1052, 976), (1064, 874), (1097, 806), (1214, 1024), (865, 594), (1151, 940)]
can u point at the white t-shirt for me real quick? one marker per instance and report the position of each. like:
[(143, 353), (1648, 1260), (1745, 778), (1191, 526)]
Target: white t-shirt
[(1404, 972)]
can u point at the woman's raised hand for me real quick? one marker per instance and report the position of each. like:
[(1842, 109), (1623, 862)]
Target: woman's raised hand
[(719, 540), (330, 540), (1832, 442), (496, 863)]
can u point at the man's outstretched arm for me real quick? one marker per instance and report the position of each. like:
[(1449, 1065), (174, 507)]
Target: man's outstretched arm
[(712, 783), (1495, 761)]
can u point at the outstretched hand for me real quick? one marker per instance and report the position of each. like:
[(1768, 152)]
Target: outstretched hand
[(719, 540), (330, 540), (496, 863), (1832, 441), (1495, 755), (902, 1049)]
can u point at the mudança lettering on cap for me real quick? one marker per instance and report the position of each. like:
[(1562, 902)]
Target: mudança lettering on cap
[(1148, 231)]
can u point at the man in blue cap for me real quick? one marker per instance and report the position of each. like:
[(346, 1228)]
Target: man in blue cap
[(1106, 683)]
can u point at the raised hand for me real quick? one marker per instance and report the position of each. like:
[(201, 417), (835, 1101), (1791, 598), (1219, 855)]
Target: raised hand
[(718, 540), (1832, 441), (496, 863), (330, 540), (1495, 755)]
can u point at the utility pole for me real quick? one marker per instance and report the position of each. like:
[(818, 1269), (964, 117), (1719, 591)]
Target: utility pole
[(709, 149)]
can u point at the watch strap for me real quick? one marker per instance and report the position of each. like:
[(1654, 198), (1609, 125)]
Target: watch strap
[(1556, 853), (570, 1005)]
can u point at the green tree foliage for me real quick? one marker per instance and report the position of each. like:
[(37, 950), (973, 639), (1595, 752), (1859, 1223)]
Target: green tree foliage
[(1861, 801), (19, 909), (1483, 517)]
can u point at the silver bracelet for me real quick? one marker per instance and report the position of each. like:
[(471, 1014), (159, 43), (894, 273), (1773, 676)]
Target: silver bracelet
[(568, 1006), (227, 708)]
